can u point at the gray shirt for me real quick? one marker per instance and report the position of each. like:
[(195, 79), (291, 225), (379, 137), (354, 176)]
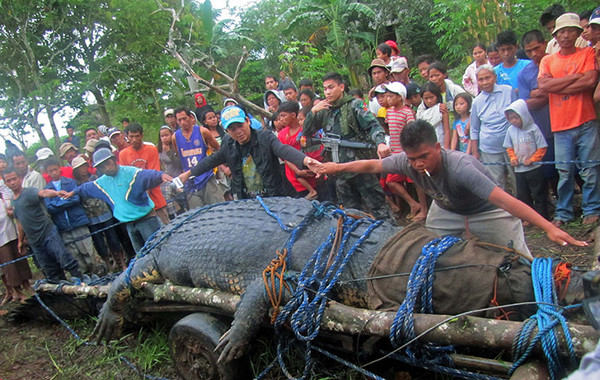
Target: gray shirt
[(30, 212), (462, 186)]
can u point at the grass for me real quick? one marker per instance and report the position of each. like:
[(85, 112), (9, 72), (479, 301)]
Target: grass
[(146, 348)]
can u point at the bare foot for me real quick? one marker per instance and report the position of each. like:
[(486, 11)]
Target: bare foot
[(421, 216), (311, 195), (415, 208)]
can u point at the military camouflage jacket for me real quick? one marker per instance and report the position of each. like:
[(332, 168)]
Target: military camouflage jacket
[(352, 121)]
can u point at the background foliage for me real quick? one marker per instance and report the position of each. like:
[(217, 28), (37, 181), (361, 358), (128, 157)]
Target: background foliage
[(106, 59)]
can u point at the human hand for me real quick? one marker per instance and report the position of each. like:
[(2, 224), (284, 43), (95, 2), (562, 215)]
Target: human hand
[(383, 150), (305, 173), (166, 178), (514, 162), (475, 153), (312, 164), (65, 194), (322, 105), (443, 108), (563, 238), (527, 161), (538, 93), (328, 168), (225, 169)]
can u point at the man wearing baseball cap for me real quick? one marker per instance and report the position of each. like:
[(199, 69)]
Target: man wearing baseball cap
[(125, 190), (569, 77), (379, 72), (252, 156), (170, 119), (43, 154)]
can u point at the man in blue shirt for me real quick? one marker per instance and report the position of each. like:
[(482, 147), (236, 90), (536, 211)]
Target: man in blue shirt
[(537, 101), (124, 189), (489, 125), (510, 67)]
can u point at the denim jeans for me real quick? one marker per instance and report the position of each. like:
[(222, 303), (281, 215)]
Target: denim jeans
[(53, 258), (579, 143), (140, 230)]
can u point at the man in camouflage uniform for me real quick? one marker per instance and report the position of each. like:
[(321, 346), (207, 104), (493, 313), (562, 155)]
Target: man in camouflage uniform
[(343, 115)]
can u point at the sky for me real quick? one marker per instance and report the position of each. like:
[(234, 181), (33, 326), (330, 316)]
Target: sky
[(62, 119)]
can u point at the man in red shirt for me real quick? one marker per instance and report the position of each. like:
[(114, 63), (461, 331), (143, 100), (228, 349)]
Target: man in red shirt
[(144, 156), (569, 78)]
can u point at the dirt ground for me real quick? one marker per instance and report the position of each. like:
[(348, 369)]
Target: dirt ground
[(44, 350)]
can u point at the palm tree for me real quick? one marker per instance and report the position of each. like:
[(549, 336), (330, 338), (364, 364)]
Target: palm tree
[(336, 23)]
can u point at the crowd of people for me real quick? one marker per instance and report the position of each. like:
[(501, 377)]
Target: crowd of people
[(91, 206)]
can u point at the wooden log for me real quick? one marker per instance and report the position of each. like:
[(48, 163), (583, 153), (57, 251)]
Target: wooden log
[(75, 290), (463, 331), (531, 370)]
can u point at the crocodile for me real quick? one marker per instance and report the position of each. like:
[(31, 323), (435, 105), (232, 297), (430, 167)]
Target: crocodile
[(227, 247)]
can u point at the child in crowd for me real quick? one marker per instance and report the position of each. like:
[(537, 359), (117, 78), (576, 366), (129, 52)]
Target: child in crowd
[(493, 55), (303, 181), (438, 74), (461, 126), (70, 218), (302, 115), (434, 111), (525, 144), (423, 62), (413, 97), (382, 112), (398, 116)]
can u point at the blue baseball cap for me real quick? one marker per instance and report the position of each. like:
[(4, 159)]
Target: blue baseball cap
[(232, 114), (595, 17)]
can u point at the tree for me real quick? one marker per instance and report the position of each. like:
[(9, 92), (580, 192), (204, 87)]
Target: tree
[(460, 25), (338, 24)]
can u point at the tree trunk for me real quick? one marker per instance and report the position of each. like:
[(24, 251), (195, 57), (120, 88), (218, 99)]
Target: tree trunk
[(50, 112), (100, 101), (463, 331)]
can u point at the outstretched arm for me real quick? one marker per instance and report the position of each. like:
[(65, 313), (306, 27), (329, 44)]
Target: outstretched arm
[(360, 166), (520, 210)]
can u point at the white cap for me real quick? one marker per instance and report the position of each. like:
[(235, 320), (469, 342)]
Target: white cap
[(44, 153), (396, 88)]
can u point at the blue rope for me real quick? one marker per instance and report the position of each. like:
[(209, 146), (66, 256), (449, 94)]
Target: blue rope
[(305, 309), (420, 285), (273, 215), (86, 343), (16, 260), (548, 316), (419, 289), (549, 162)]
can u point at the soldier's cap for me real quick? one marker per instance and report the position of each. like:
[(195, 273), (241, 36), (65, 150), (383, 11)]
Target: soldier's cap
[(232, 114), (595, 17), (101, 155), (44, 153), (64, 148), (396, 88), (568, 20), (412, 89), (78, 161), (378, 63), (379, 89)]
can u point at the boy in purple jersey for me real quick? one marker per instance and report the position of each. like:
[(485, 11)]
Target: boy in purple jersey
[(192, 144)]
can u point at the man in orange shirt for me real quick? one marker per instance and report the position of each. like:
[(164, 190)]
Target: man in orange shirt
[(569, 78), (144, 156)]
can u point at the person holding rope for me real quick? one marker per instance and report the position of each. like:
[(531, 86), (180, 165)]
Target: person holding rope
[(124, 189), (466, 198), (42, 235)]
